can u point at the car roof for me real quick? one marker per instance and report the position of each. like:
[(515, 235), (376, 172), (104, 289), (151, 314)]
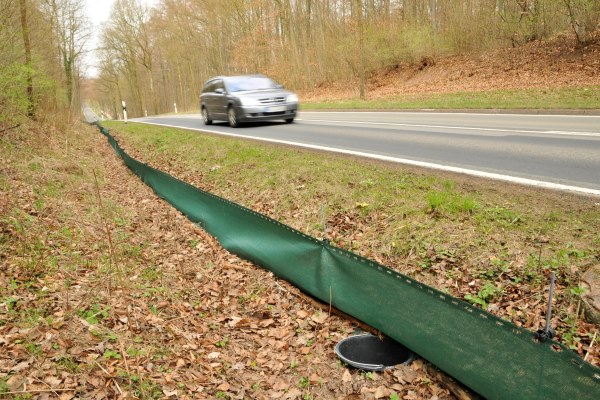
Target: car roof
[(237, 76)]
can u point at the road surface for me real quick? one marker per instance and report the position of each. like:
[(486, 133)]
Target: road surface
[(555, 151)]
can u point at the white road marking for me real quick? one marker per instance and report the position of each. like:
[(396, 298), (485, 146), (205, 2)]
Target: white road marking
[(430, 112), (566, 133), (440, 167)]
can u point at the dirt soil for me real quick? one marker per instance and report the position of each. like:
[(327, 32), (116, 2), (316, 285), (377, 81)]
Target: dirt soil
[(557, 63)]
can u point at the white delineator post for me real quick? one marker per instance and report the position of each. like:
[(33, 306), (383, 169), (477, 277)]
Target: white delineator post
[(175, 105), (124, 110)]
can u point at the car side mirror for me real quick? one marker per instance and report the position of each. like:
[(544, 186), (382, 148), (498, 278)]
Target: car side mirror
[(220, 91)]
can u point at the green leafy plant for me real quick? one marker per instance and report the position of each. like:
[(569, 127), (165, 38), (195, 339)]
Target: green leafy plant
[(33, 349), (487, 293), (69, 363), (578, 291), (10, 303), (304, 382), (94, 314), (111, 354), (570, 337), (145, 388), (4, 388)]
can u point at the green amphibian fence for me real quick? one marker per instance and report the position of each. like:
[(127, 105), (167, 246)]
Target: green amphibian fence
[(491, 356)]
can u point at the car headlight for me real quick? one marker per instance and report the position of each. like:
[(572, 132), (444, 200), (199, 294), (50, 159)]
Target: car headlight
[(248, 101), (292, 98)]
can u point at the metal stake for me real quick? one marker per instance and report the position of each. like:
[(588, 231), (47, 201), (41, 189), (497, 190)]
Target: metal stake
[(548, 332), (550, 296), (325, 240)]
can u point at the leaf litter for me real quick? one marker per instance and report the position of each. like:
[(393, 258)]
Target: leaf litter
[(108, 292)]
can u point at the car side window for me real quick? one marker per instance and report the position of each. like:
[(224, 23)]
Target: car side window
[(208, 87), (219, 85)]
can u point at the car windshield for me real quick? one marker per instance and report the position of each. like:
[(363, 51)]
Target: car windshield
[(245, 83)]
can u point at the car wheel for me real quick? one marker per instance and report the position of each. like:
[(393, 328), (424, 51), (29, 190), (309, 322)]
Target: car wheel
[(205, 117), (289, 120), (232, 118)]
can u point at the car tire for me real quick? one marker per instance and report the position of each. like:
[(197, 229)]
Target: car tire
[(206, 117), (289, 120), (232, 117)]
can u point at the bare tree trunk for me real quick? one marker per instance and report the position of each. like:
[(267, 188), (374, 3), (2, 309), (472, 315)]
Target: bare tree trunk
[(361, 48), (433, 15), (27, 45), (153, 95)]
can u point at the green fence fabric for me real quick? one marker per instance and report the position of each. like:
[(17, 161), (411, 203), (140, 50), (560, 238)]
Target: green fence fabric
[(493, 357)]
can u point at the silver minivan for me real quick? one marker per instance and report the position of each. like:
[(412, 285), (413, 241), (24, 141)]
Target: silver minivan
[(245, 98)]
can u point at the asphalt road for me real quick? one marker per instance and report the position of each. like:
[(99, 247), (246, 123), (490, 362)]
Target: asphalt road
[(555, 151)]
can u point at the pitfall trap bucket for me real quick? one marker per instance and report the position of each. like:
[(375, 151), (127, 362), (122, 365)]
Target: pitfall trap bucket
[(371, 353)]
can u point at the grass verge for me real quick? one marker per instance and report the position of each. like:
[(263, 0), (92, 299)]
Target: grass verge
[(572, 98)]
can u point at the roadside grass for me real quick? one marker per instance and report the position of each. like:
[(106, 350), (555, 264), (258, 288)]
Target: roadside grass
[(67, 256), (568, 98), (491, 243)]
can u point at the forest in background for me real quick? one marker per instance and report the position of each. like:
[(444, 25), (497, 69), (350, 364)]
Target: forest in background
[(157, 57), (42, 43)]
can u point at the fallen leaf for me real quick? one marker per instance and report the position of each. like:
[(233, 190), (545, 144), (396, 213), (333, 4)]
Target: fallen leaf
[(347, 376), (266, 323), (170, 391), (319, 318), (314, 379), (381, 392), (15, 382), (280, 385), (412, 395), (405, 374), (293, 393), (21, 366), (52, 381)]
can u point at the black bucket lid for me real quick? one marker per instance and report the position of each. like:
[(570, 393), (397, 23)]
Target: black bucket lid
[(371, 353)]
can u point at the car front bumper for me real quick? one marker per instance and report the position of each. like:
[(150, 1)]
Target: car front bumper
[(265, 113)]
